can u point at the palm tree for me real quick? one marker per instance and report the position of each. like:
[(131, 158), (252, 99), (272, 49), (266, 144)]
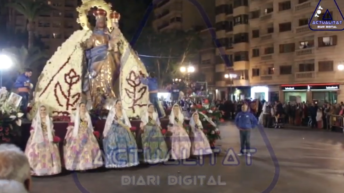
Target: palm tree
[(31, 9)]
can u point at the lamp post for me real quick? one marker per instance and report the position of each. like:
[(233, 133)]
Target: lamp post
[(231, 77), (6, 62)]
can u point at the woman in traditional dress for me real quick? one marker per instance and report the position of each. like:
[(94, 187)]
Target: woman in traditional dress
[(119, 143), (81, 151), (180, 141), (200, 143), (42, 152), (153, 142)]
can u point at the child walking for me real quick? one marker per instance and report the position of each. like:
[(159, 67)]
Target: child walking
[(245, 122)]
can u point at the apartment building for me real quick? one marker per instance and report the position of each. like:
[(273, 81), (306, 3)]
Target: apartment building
[(275, 53), (183, 15), (52, 28)]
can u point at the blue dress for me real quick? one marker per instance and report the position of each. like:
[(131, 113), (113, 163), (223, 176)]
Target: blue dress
[(120, 147)]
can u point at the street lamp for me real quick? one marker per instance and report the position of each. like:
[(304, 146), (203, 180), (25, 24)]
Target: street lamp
[(340, 67), (231, 76), (6, 62)]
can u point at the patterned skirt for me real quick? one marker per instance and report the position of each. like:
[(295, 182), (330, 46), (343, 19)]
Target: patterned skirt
[(120, 148), (44, 158), (154, 145), (200, 143), (180, 143), (82, 153)]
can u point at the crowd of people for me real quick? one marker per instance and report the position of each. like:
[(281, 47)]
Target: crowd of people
[(274, 114)]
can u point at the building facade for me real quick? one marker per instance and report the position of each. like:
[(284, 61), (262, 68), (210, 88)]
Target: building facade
[(271, 43), (52, 28)]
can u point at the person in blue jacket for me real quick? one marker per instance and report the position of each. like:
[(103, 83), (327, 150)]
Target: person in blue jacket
[(153, 87), (22, 86), (245, 122)]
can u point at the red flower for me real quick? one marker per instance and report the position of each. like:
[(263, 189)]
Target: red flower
[(132, 128), (56, 139), (205, 131), (222, 120), (198, 106), (163, 131), (204, 112), (222, 112), (97, 134), (1, 128)]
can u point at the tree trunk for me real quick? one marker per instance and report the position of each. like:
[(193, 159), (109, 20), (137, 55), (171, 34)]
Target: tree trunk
[(30, 30)]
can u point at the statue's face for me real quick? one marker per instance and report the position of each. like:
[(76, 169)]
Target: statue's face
[(118, 105), (101, 23), (82, 108), (43, 111), (150, 108), (176, 110), (196, 117)]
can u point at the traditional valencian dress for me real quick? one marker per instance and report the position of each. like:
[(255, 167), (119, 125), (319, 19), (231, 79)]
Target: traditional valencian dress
[(81, 151), (180, 141), (200, 143), (42, 152), (153, 142), (119, 144)]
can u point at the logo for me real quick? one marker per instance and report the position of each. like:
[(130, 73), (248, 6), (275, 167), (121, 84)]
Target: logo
[(325, 19)]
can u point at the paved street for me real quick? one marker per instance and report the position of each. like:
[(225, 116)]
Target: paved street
[(308, 161)]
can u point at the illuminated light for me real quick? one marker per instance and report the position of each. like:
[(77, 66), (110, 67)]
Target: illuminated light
[(226, 76), (340, 67), (260, 89), (191, 69), (182, 69), (6, 62)]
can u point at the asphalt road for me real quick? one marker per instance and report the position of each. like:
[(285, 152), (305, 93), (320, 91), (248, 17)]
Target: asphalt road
[(304, 161)]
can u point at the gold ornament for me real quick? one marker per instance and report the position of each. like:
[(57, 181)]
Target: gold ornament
[(86, 6)]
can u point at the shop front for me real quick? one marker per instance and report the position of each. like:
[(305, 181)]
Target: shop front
[(310, 92)]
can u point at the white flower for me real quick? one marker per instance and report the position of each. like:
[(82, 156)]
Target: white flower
[(31, 86), (19, 115), (213, 132), (204, 119), (19, 122), (210, 111), (13, 117)]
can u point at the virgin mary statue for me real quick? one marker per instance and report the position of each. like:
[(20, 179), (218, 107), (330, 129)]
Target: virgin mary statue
[(94, 63)]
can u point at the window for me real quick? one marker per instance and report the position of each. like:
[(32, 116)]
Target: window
[(230, 43), (306, 44), (271, 70), (43, 24), (176, 19), (283, 27), (325, 66), (230, 9), (206, 62), (255, 52), (56, 24), (268, 10), (241, 19), (327, 16), (269, 50), (284, 6), (302, 1), (221, 25), (241, 37), (327, 41), (303, 22), (223, 42), (270, 30), (255, 72), (240, 56), (287, 48), (255, 33), (255, 14), (238, 3), (69, 25), (285, 70), (221, 9), (69, 14), (229, 26), (56, 35), (306, 67)]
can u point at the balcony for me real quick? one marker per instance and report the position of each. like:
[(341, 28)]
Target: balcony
[(303, 52), (241, 82), (304, 75), (163, 14), (265, 17), (266, 37), (163, 3), (267, 77), (266, 57), (163, 26), (302, 29), (306, 6)]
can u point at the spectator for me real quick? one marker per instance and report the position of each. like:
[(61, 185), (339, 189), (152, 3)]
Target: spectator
[(14, 166), (23, 87), (11, 186), (245, 122)]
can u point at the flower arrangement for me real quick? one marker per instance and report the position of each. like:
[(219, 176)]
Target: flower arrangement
[(10, 120)]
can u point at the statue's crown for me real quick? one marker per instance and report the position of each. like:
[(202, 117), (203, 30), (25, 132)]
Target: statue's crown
[(99, 13), (115, 16)]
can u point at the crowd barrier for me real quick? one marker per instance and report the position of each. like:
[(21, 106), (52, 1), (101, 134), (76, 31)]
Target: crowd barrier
[(335, 122)]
